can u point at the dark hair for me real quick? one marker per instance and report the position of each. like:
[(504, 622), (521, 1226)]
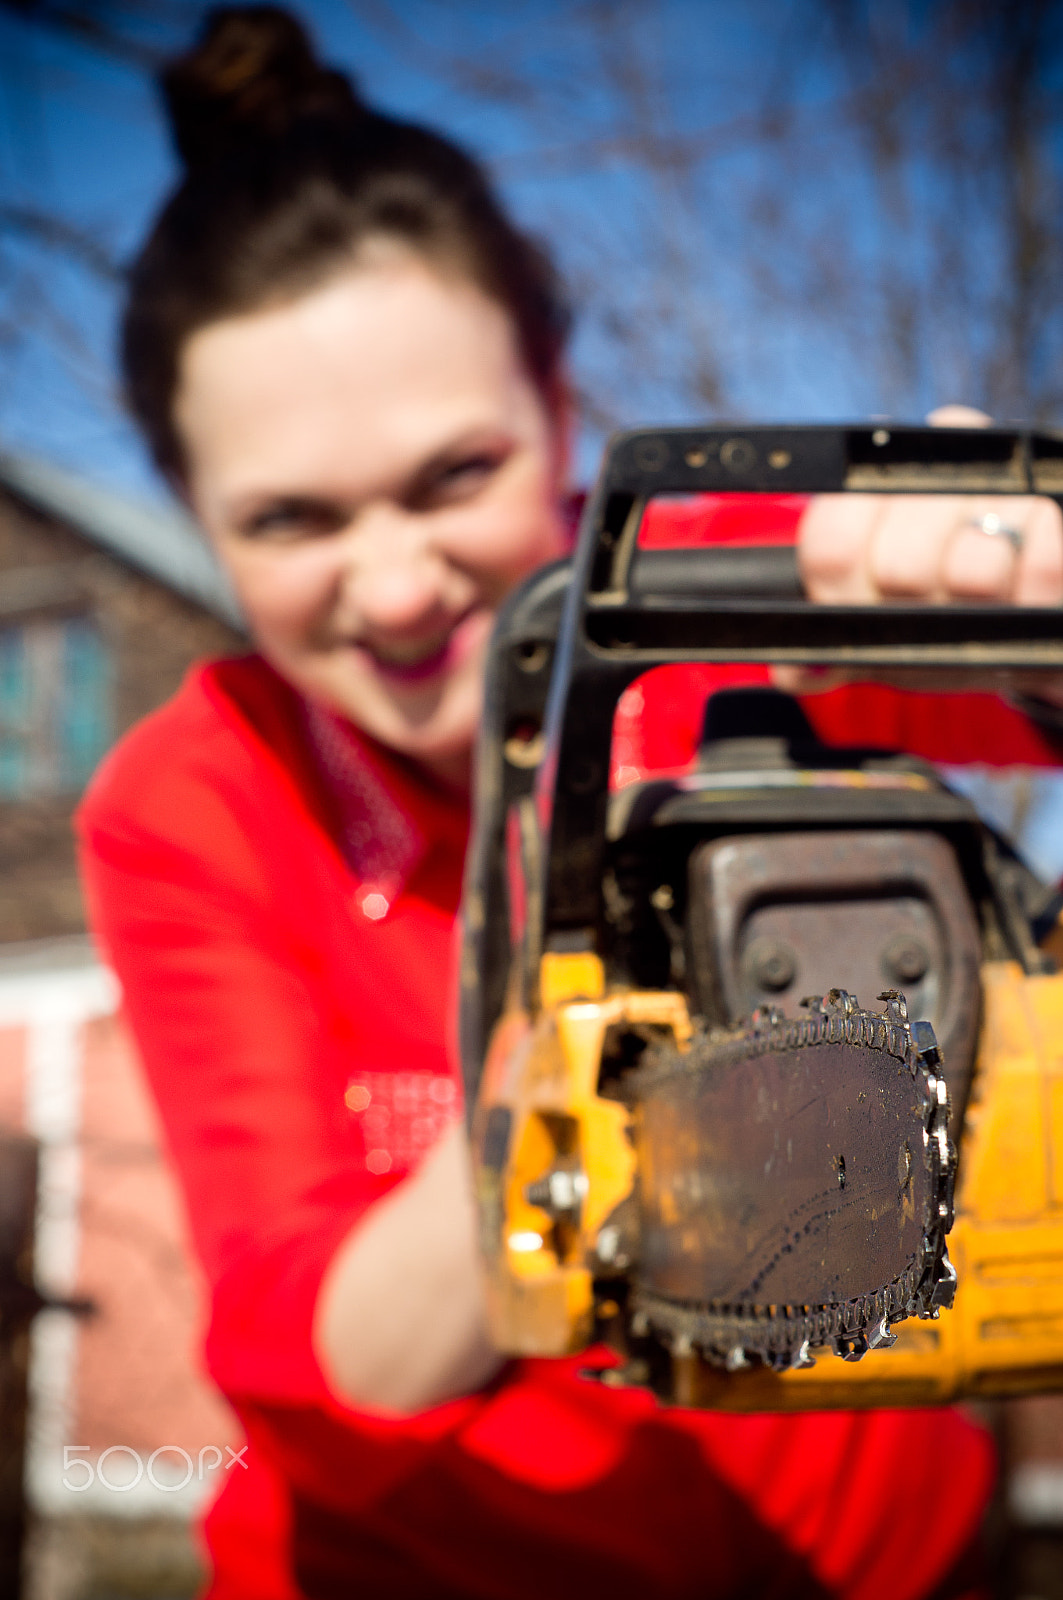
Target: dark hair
[(287, 173)]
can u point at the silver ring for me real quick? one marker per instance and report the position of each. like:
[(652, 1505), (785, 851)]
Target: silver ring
[(997, 528)]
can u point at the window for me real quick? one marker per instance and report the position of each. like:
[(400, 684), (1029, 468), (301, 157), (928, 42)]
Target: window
[(55, 720)]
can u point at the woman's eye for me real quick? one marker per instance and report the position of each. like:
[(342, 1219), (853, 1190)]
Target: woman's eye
[(460, 480), (293, 519)]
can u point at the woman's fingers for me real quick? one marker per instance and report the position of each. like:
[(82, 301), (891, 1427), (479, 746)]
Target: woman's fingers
[(1039, 580), (861, 549), (907, 548), (1005, 549), (954, 416), (982, 551), (858, 548), (833, 542)]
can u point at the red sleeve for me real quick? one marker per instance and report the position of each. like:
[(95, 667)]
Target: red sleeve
[(235, 1041)]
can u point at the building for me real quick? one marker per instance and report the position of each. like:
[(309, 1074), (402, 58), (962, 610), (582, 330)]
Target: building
[(103, 607)]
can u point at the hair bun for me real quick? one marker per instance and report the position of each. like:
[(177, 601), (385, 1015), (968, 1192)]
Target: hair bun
[(251, 75)]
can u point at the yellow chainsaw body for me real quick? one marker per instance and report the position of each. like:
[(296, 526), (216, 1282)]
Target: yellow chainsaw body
[(1004, 1333)]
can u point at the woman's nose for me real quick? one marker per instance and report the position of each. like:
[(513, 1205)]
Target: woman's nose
[(392, 579)]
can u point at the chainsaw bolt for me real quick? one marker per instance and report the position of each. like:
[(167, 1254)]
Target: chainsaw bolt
[(905, 959), (770, 964), (559, 1191)]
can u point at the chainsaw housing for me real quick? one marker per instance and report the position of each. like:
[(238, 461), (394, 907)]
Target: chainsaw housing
[(673, 1156)]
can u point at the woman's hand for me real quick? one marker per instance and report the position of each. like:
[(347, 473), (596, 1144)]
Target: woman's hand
[(400, 1321), (862, 548)]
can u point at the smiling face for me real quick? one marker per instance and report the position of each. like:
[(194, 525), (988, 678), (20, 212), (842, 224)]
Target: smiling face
[(376, 470)]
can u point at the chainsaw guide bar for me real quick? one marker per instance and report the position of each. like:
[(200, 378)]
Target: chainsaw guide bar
[(796, 1185)]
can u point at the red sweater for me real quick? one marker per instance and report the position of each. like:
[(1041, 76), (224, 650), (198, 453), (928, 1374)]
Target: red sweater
[(295, 1040)]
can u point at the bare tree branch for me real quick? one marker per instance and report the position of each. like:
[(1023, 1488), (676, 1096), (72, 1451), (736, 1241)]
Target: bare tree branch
[(59, 234), (868, 199), (114, 27)]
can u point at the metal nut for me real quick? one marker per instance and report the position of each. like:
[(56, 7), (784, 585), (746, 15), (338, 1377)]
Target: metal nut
[(906, 959), (770, 964)]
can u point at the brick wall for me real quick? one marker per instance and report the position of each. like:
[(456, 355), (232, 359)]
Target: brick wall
[(151, 636)]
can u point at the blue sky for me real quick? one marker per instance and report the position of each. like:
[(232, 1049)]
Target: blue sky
[(693, 294)]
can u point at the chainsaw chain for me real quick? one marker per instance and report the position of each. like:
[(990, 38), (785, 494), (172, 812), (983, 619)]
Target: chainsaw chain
[(736, 1336)]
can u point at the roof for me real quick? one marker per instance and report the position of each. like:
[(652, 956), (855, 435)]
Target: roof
[(161, 541)]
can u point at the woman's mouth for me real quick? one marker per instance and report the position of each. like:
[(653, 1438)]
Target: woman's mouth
[(419, 661)]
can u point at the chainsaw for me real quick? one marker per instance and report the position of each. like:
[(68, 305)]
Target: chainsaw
[(762, 1059)]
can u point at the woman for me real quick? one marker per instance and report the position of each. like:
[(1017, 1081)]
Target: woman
[(349, 362)]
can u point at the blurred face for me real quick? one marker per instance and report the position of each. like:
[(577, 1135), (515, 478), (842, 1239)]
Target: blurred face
[(376, 471)]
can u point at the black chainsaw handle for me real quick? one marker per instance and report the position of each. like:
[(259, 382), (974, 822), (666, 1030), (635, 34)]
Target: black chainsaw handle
[(720, 572), (621, 617)]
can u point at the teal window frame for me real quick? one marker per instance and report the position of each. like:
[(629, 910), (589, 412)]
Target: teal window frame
[(56, 718)]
